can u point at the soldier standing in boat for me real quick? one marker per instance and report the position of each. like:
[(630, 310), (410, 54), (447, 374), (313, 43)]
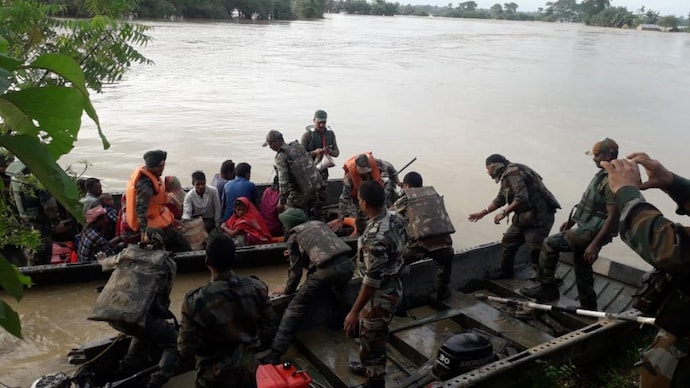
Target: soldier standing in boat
[(531, 202), (225, 321), (379, 260), (361, 168), (312, 246), (298, 179), (596, 217), (665, 245), (135, 301), (319, 140), (146, 199), (428, 229)]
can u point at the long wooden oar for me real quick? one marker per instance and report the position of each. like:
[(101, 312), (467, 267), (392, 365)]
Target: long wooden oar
[(571, 309)]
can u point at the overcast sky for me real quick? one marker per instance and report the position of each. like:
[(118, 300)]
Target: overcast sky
[(665, 7)]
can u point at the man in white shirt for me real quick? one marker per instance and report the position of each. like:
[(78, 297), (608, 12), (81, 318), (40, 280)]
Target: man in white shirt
[(203, 202)]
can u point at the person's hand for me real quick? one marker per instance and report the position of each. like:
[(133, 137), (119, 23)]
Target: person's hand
[(499, 217), (144, 237), (280, 208), (318, 151), (474, 217), (100, 256), (335, 225), (622, 173), (278, 291), (591, 253), (565, 226), (350, 323), (658, 176)]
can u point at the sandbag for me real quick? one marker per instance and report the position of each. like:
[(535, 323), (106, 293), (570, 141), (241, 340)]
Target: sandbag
[(319, 242), (195, 233)]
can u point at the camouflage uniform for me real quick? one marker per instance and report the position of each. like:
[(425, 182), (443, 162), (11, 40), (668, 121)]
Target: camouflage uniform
[(298, 178), (589, 217), (174, 241), (311, 140), (379, 254), (329, 271), (439, 248), (531, 222), (347, 201), (665, 245), (223, 323)]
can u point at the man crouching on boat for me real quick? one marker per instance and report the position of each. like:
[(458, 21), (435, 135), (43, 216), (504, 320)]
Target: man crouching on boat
[(225, 321), (380, 259), (135, 301), (313, 246)]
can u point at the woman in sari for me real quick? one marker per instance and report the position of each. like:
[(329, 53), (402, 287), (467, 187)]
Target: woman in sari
[(175, 195), (246, 226)]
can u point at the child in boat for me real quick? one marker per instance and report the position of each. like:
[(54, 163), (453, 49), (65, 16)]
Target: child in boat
[(108, 203), (246, 226)]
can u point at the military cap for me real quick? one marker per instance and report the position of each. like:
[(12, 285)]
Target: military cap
[(292, 217), (272, 135), (154, 158), (320, 115)]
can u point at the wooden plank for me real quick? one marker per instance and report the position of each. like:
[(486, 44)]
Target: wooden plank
[(485, 317), (330, 352)]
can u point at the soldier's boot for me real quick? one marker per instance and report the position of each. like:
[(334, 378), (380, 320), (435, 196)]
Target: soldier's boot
[(442, 294), (375, 383), (272, 358), (357, 368), (541, 292)]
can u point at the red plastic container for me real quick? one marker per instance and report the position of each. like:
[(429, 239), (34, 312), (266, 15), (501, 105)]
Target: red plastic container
[(281, 376)]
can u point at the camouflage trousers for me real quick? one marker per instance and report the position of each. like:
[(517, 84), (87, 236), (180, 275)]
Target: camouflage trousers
[(236, 370), (576, 241), (158, 332), (373, 326), (517, 235), (665, 364), (443, 258), (305, 202), (321, 198), (333, 277)]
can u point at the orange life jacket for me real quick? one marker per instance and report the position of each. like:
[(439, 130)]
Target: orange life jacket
[(158, 215), (351, 169)]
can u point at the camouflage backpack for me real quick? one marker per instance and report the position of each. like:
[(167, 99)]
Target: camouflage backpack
[(302, 167), (319, 242), (426, 214)]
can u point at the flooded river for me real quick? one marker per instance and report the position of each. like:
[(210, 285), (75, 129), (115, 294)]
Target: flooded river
[(447, 91)]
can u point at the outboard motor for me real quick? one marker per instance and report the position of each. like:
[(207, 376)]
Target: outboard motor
[(54, 380), (462, 353)]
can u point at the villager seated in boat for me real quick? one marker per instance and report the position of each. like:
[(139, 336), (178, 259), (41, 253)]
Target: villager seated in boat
[(146, 202), (246, 226), (175, 196), (227, 172), (312, 246), (240, 186), (361, 168), (225, 322), (203, 201), (93, 238), (106, 200), (93, 191), (136, 301), (268, 207)]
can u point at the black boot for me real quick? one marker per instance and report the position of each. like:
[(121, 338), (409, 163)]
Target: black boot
[(273, 358), (375, 383), (357, 368), (541, 292)]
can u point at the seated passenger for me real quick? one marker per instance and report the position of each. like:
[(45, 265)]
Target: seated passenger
[(241, 186), (246, 226), (202, 202), (268, 207), (106, 200), (227, 172), (93, 239), (175, 196)]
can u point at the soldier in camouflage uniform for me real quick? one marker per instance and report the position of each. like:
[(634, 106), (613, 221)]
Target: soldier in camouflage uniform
[(534, 206), (596, 218), (665, 245), (361, 168), (311, 246), (225, 322), (379, 259), (298, 178), (319, 140), (433, 228), (135, 301)]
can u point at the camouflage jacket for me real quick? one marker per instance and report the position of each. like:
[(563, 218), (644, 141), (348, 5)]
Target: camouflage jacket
[(224, 319), (346, 200), (427, 244), (313, 139), (516, 185), (658, 240), (380, 249), (590, 213), (288, 181), (145, 192)]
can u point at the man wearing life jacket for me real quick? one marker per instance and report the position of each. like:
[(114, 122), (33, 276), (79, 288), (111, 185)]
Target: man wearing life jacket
[(361, 168), (298, 179), (146, 199), (428, 229), (532, 204), (312, 246), (319, 141), (596, 218)]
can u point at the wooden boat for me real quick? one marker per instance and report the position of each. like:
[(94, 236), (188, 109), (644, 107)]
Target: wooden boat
[(523, 341), (193, 261)]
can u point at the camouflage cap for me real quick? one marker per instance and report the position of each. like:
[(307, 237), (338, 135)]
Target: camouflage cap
[(362, 164), (607, 145), (320, 115), (272, 135)]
